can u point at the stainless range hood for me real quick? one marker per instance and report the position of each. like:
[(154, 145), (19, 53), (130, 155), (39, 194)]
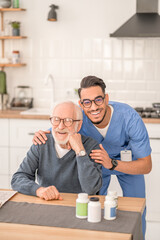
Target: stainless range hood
[(145, 23)]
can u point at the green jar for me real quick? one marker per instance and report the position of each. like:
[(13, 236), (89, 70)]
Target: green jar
[(15, 3), (3, 88)]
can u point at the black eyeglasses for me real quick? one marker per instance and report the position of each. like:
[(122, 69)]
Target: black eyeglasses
[(88, 103), (66, 121)]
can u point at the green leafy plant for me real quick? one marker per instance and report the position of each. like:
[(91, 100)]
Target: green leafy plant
[(76, 91), (15, 24)]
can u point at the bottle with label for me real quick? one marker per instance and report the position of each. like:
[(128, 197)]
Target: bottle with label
[(110, 208), (15, 57), (94, 210), (82, 205), (15, 3)]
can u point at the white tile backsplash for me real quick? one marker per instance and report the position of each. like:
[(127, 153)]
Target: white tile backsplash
[(139, 48), (128, 48), (117, 48), (138, 72), (130, 67), (107, 48), (149, 70), (117, 69)]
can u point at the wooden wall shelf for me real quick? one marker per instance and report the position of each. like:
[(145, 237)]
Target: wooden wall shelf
[(12, 37), (12, 65), (12, 9), (3, 38)]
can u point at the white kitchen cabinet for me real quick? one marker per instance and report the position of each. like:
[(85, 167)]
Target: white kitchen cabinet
[(22, 131), (4, 151), (4, 181), (4, 160), (152, 185), (4, 132), (16, 138), (16, 157)]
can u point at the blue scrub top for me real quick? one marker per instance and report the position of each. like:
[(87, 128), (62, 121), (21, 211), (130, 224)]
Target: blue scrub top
[(126, 132)]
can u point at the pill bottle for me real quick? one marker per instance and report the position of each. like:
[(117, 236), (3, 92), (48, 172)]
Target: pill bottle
[(113, 194), (82, 205), (110, 208), (94, 210)]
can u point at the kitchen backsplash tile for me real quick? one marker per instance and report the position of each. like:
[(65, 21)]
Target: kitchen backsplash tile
[(138, 72), (117, 48), (149, 70), (130, 67), (107, 48), (127, 69), (139, 49), (128, 48)]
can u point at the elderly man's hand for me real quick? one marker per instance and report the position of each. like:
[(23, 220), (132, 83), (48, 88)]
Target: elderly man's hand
[(48, 193), (75, 142)]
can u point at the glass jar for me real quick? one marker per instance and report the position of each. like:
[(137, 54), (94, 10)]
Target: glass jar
[(15, 57), (15, 3)]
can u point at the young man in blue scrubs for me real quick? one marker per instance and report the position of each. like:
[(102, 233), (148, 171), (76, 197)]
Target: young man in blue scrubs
[(124, 143)]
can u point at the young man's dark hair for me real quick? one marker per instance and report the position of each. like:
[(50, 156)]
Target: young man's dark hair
[(91, 81)]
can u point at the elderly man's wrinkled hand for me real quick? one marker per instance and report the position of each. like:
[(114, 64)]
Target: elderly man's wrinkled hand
[(48, 193), (75, 142)]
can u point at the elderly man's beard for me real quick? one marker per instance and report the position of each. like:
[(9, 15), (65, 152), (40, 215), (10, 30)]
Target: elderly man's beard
[(65, 141), (62, 142)]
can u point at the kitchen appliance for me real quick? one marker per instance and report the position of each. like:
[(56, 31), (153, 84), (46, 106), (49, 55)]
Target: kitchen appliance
[(145, 23), (149, 112), (23, 98)]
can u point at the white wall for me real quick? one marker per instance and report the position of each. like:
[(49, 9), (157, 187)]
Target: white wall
[(78, 44)]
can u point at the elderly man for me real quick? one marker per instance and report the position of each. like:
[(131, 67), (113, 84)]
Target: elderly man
[(63, 164)]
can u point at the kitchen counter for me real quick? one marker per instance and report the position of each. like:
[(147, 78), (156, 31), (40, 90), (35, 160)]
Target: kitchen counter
[(16, 114)]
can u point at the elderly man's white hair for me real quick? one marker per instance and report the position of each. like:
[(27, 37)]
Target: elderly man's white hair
[(77, 109)]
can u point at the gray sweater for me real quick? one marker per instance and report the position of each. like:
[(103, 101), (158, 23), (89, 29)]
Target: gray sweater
[(70, 174)]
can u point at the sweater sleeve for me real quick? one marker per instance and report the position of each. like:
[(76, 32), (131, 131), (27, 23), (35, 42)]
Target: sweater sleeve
[(23, 180), (89, 172)]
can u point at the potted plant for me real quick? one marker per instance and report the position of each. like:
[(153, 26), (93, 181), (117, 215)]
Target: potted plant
[(15, 28)]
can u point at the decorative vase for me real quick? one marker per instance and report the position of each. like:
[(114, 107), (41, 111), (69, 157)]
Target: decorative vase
[(5, 3), (15, 32)]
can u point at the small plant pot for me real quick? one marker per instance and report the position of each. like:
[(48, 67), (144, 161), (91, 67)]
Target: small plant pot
[(16, 32)]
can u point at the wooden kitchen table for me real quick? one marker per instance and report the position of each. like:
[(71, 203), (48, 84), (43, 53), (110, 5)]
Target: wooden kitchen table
[(10, 231)]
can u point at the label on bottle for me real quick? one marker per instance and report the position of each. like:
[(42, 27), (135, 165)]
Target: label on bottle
[(15, 57), (81, 209), (113, 212)]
